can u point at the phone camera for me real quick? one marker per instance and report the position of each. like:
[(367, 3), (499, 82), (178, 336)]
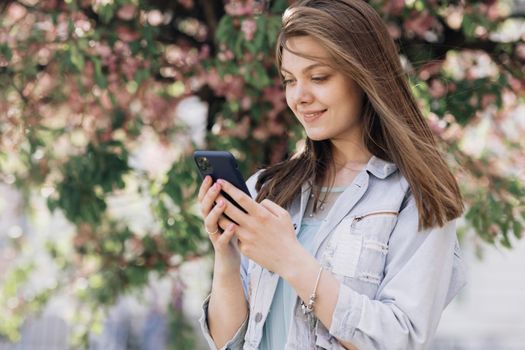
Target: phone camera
[(203, 163)]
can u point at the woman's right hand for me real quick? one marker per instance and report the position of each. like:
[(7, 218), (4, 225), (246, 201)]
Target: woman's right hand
[(226, 251)]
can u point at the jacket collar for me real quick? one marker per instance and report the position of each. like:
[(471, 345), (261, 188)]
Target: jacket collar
[(380, 168), (376, 166)]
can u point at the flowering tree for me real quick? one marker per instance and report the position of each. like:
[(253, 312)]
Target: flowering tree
[(83, 81)]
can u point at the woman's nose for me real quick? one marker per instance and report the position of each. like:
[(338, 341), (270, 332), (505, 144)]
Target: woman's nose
[(302, 94)]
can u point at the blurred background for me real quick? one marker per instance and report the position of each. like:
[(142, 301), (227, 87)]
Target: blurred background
[(102, 103)]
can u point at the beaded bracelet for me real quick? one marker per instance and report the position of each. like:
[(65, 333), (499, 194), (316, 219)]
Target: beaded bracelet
[(310, 307)]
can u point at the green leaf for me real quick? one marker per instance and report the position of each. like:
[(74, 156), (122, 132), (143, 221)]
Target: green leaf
[(106, 13), (224, 29), (77, 58), (505, 241), (272, 30), (260, 34), (100, 78), (119, 117), (469, 25), (517, 228), (6, 51), (279, 6)]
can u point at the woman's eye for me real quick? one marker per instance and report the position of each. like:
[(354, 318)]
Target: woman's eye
[(319, 78), (287, 81)]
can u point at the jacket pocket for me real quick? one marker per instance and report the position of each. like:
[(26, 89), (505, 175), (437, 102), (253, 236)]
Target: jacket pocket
[(375, 228), (357, 250)]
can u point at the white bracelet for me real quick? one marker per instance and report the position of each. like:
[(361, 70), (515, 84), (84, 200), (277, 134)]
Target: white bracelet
[(310, 307)]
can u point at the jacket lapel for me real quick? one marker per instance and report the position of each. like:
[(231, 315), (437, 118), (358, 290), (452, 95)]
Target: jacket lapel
[(344, 204)]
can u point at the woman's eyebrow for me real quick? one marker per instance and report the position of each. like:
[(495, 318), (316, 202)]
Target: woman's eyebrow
[(306, 69)]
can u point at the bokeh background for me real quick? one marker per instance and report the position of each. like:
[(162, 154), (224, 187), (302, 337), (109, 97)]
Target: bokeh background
[(102, 103)]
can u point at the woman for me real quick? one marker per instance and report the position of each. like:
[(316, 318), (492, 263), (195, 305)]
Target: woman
[(350, 243)]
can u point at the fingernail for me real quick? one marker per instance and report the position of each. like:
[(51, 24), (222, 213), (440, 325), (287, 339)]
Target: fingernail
[(231, 227), (220, 202), (220, 181), (207, 179)]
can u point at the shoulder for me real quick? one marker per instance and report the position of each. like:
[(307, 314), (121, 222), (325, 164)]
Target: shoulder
[(386, 186)]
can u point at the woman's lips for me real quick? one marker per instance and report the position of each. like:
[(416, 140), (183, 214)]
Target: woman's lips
[(312, 116)]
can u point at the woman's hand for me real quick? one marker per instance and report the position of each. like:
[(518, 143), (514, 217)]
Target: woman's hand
[(227, 255), (266, 234)]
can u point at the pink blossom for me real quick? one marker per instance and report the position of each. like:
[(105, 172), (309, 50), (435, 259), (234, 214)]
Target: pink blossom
[(275, 96), (238, 8), (62, 30), (51, 5), (520, 51), (226, 55), (127, 12), (394, 7), (241, 128), (249, 26), (188, 4), (16, 12), (493, 10), (430, 69), (4, 38), (44, 84), (130, 67), (419, 23), (487, 100), (394, 30), (204, 52), (260, 133), (126, 34), (213, 79), (437, 89), (103, 50), (246, 102), (234, 89), (276, 128), (436, 125), (155, 18)]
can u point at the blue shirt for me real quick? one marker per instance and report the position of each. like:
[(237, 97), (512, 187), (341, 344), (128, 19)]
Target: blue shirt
[(278, 322)]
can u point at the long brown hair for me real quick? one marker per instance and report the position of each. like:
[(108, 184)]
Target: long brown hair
[(394, 128)]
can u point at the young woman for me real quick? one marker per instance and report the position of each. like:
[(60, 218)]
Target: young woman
[(350, 243)]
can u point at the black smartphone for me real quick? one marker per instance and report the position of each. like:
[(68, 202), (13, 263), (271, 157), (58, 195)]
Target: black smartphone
[(221, 165)]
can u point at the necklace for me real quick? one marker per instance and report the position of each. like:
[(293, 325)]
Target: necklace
[(328, 195), (353, 166)]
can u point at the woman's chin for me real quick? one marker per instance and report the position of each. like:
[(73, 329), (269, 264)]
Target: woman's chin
[(316, 136)]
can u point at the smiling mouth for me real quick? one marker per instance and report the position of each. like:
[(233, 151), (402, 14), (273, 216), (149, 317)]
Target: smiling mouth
[(310, 117)]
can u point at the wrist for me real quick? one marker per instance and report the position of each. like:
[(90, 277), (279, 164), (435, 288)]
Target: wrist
[(226, 266), (296, 263)]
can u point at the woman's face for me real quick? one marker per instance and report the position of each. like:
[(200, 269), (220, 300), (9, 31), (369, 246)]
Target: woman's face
[(327, 104)]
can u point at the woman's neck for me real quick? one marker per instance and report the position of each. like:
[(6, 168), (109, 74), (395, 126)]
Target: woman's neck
[(349, 158), (349, 154)]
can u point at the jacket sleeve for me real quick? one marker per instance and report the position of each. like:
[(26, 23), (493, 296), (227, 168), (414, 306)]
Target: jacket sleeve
[(237, 341), (423, 272)]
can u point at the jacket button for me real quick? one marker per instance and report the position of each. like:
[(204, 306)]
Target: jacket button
[(258, 317)]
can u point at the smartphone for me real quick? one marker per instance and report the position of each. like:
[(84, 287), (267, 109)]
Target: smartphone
[(221, 165)]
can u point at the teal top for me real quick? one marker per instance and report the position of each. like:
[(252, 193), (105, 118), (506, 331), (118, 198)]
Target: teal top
[(276, 327)]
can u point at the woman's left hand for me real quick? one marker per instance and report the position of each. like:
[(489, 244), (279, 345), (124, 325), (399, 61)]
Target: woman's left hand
[(266, 233)]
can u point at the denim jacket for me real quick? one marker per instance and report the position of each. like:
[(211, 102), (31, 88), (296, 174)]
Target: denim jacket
[(395, 279)]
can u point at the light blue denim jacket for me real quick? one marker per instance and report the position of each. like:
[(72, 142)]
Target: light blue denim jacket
[(395, 279)]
